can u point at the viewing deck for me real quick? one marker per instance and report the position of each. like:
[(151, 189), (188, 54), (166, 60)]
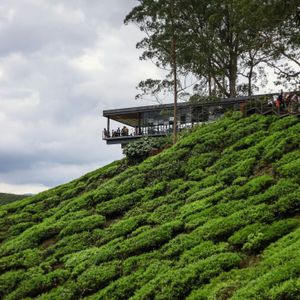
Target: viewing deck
[(158, 120)]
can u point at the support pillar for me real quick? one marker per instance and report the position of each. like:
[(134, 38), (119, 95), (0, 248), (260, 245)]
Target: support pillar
[(139, 123), (108, 125)]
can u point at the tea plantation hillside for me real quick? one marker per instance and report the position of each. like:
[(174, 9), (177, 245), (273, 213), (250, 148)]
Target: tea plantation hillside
[(217, 216)]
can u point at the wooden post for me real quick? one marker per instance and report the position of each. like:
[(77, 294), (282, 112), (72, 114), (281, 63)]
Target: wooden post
[(243, 109)]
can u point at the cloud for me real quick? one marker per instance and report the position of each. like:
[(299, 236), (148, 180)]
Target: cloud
[(61, 64), (30, 26), (22, 189)]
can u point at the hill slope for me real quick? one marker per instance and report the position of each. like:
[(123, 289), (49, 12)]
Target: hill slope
[(214, 217), (8, 198)]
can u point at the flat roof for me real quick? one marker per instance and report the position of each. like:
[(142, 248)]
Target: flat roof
[(138, 109), (133, 111)]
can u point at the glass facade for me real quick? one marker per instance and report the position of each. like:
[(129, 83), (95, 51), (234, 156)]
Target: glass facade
[(159, 120), (162, 122)]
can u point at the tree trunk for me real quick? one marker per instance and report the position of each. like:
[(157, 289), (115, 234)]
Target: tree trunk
[(174, 63), (209, 81), (233, 75), (250, 81), (209, 85), (174, 69)]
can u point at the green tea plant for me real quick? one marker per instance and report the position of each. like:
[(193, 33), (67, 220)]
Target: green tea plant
[(215, 216)]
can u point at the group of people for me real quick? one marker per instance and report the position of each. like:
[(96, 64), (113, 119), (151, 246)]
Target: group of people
[(116, 133), (289, 102)]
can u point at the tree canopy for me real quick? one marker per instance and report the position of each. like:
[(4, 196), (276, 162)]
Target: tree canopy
[(220, 42)]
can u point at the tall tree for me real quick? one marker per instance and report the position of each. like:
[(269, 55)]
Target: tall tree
[(224, 36), (217, 40), (284, 46), (159, 20)]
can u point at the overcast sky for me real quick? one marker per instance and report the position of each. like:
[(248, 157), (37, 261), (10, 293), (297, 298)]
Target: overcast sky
[(61, 63)]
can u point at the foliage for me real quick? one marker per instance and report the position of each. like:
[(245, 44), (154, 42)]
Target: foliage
[(216, 216), (218, 43), (8, 198), (140, 149)]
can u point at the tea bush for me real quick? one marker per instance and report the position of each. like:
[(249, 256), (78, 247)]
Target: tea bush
[(10, 280), (84, 224), (269, 233), (96, 277), (38, 284)]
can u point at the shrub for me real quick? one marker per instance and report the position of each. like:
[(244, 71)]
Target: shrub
[(73, 215), (210, 181), (79, 261), (282, 188), (243, 168), (150, 239), (32, 237), (200, 193), (38, 284), (122, 288), (248, 141), (23, 259), (194, 207), (19, 228), (260, 286), (289, 289), (195, 220), (123, 227), (97, 277), (84, 224), (10, 280), (70, 244), (254, 186), (291, 170), (288, 157), (219, 229), (130, 185), (202, 251), (200, 161), (283, 123), (197, 174), (177, 283), (164, 213), (180, 243), (120, 204), (65, 291), (288, 204), (281, 144), (140, 149), (240, 237)]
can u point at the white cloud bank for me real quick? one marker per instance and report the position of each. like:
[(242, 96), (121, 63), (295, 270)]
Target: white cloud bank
[(61, 64)]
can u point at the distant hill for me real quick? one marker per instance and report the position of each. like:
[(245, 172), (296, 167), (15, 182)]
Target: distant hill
[(217, 216), (8, 198)]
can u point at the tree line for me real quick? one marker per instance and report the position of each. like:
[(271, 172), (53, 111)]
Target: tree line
[(226, 45)]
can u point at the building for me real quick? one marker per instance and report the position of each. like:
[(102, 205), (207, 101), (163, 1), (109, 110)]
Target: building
[(158, 120)]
